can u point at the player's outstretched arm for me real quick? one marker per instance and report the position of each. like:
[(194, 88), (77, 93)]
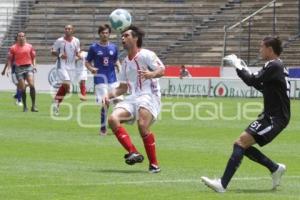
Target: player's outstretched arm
[(236, 62)]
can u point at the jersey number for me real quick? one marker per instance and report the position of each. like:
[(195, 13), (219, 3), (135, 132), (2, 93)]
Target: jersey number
[(105, 61), (255, 125)]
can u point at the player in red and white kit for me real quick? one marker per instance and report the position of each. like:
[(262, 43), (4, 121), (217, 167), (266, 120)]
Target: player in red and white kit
[(139, 76), (67, 49)]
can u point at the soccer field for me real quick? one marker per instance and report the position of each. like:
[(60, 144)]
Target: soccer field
[(64, 158)]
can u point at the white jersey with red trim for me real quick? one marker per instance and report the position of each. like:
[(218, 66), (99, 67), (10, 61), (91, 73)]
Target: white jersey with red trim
[(70, 49), (144, 60)]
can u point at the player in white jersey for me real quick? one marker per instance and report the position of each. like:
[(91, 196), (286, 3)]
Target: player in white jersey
[(67, 49), (81, 70), (139, 76)]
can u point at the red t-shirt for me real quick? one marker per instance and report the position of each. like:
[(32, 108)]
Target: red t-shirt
[(22, 55)]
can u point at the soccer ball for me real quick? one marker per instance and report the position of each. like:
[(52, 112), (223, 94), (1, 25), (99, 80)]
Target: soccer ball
[(120, 19)]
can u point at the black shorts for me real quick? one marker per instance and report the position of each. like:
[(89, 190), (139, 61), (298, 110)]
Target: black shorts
[(266, 128)]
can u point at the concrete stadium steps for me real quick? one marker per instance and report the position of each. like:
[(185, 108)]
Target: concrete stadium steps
[(262, 26), (168, 20), (180, 31)]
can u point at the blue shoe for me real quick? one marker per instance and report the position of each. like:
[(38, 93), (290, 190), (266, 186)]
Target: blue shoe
[(103, 131)]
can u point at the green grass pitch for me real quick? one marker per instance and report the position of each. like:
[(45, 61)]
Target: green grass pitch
[(64, 158)]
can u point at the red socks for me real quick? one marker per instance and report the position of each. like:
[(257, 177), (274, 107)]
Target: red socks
[(149, 143), (82, 88), (124, 139), (60, 94)]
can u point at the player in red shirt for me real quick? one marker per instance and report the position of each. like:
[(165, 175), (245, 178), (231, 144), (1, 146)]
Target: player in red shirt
[(23, 54)]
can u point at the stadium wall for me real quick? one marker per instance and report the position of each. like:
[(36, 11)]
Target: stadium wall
[(195, 71), (228, 86)]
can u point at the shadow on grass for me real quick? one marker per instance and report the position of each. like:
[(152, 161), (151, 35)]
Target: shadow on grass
[(121, 171), (250, 191)]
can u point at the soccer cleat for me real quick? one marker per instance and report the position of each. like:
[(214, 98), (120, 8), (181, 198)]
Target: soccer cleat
[(132, 158), (154, 169), (19, 103), (34, 109), (55, 109), (25, 109), (214, 184), (103, 131), (276, 176), (83, 98)]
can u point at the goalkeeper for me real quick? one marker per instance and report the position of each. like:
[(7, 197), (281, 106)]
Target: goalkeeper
[(272, 81)]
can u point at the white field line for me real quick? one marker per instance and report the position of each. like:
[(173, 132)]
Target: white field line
[(136, 182)]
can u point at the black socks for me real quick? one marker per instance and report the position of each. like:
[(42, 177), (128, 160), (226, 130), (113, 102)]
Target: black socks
[(232, 164), (254, 154)]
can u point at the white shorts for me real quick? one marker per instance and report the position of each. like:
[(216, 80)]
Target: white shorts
[(102, 89), (133, 103), (82, 73), (71, 75)]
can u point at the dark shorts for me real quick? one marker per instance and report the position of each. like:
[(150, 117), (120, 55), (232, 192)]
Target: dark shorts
[(22, 72), (265, 128)]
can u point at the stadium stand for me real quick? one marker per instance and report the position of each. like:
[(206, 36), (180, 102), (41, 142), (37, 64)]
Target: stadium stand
[(180, 31), (7, 11), (14, 15)]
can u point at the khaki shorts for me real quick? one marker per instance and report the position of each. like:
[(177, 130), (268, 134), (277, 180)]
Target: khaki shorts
[(23, 72)]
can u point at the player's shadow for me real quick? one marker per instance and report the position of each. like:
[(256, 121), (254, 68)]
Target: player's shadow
[(121, 171), (253, 191)]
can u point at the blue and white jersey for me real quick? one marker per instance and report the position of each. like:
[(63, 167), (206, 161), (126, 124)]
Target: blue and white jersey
[(104, 59)]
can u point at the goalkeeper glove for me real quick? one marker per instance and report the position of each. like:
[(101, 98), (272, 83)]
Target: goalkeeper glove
[(236, 62)]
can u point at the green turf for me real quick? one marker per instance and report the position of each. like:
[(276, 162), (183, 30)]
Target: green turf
[(46, 158)]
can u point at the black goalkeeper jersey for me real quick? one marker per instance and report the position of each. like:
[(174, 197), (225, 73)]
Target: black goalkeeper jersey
[(272, 81)]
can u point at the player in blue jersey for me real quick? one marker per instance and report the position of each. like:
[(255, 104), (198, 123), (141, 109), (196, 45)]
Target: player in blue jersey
[(102, 59), (18, 95)]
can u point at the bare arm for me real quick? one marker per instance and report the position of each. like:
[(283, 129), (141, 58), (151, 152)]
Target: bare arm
[(33, 62), (121, 89), (4, 69), (57, 54), (54, 52), (91, 68), (146, 74), (118, 66)]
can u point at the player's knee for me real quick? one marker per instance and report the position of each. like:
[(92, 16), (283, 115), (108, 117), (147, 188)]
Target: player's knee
[(244, 141), (112, 121), (67, 87)]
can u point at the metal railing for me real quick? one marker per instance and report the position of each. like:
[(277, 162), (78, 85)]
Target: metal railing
[(248, 20)]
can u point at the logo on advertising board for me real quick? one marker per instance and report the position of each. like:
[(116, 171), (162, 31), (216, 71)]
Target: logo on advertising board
[(220, 90), (53, 79)]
